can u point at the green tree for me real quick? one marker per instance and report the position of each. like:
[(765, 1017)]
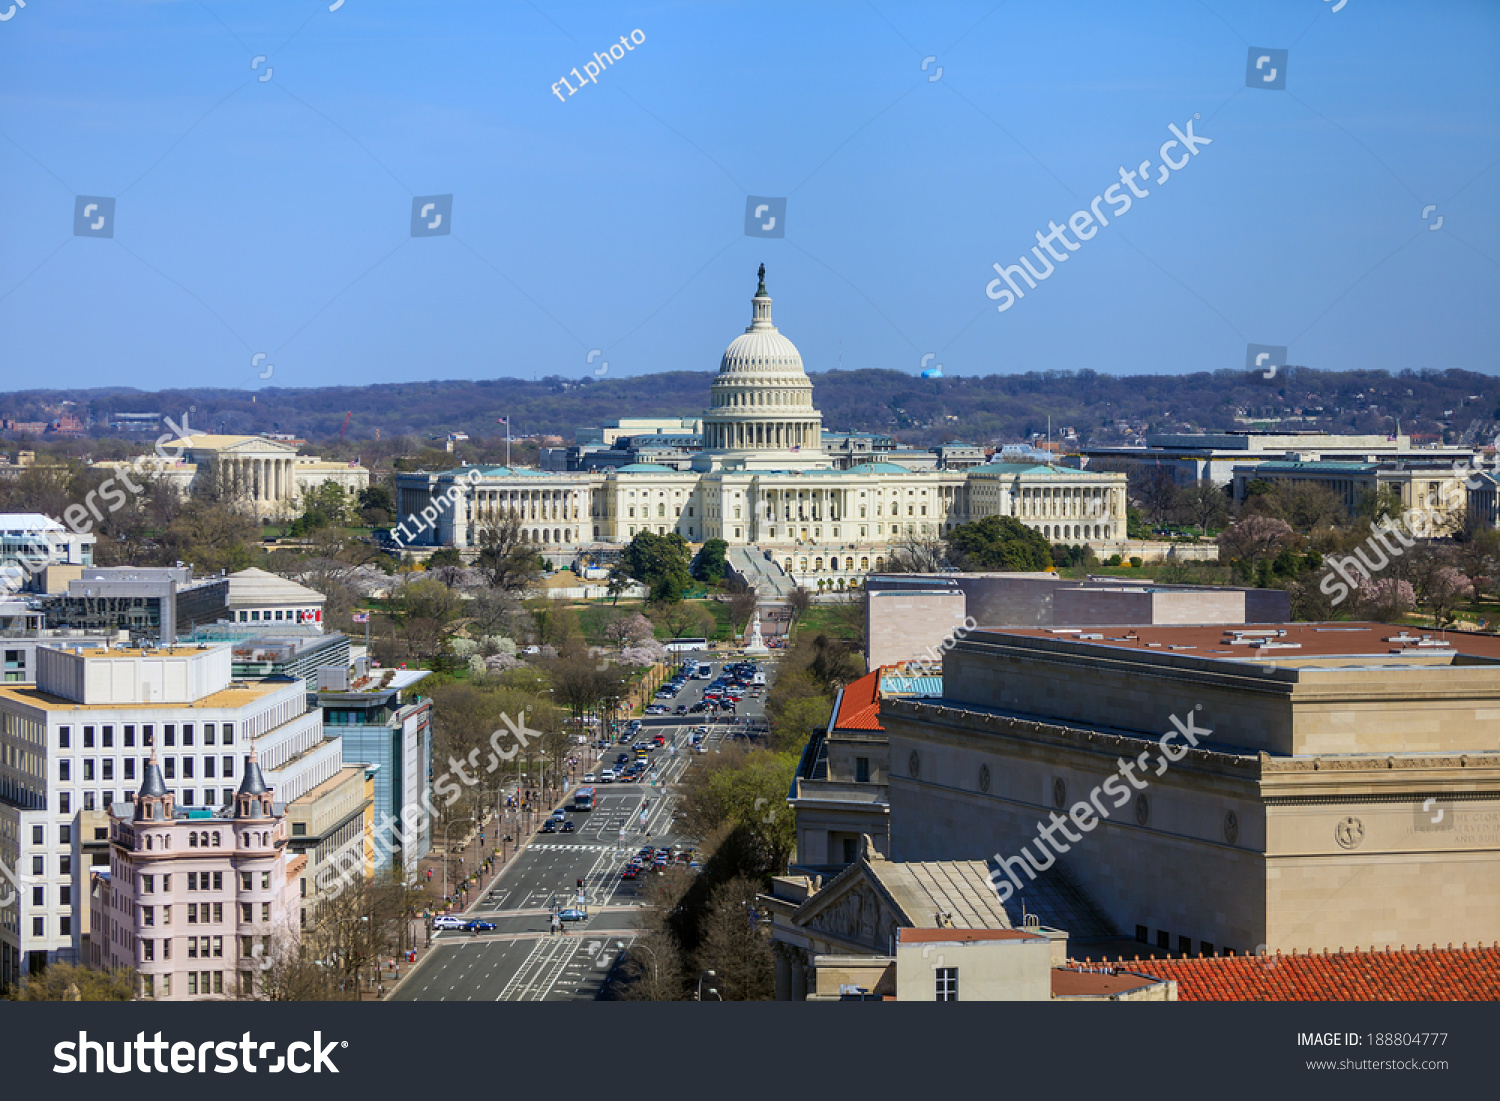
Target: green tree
[(448, 556), (712, 561), (661, 563), (66, 982), (325, 506), (1000, 543)]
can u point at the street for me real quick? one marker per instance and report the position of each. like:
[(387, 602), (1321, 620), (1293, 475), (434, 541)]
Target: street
[(522, 960)]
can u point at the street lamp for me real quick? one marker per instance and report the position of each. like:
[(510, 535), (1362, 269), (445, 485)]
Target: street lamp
[(711, 990), (655, 974)]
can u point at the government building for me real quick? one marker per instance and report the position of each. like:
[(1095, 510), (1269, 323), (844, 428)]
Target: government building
[(762, 480)]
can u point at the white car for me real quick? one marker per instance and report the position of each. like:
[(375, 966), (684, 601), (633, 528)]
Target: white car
[(447, 922), (607, 776), (589, 778)]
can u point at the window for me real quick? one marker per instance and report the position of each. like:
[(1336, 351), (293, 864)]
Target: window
[(88, 768), (65, 895), (65, 865), (192, 911), (148, 952), (88, 800), (265, 881), (130, 768), (187, 735), (64, 771), (88, 737), (169, 734), (218, 913), (226, 735), (862, 770), (38, 927), (37, 833), (39, 896), (1205, 948), (851, 850), (187, 768), (65, 925), (947, 984), (1164, 940), (65, 835), (148, 735), (129, 737), (227, 771), (218, 881), (208, 768), (247, 881), (148, 915), (107, 737), (265, 911), (247, 912), (108, 767), (208, 733), (148, 884), (64, 737), (169, 768), (64, 802), (1185, 946)]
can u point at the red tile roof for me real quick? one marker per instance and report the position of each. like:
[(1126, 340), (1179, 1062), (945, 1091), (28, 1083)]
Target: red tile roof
[(1390, 975), (859, 706), (1093, 984)]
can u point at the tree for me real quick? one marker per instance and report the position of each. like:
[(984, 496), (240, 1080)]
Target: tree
[(1254, 539), (660, 562), (509, 562), (745, 790), (687, 619), (1384, 598), (734, 946), (629, 627), (327, 505), (67, 982), (211, 537), (1303, 505), (913, 553), (447, 556), (712, 561), (1203, 505), (377, 496), (1445, 591), (741, 604), (800, 600), (1000, 543)]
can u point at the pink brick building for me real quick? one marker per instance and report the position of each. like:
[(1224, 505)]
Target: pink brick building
[(196, 900)]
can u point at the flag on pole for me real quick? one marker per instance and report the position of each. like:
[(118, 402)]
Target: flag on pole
[(503, 420), (361, 617)]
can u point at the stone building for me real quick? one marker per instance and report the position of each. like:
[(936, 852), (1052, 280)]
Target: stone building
[(763, 480), (266, 476), (1339, 780), (198, 902)]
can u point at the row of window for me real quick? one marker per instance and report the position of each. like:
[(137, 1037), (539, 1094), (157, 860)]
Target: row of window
[(106, 768), (105, 735), (292, 615), (198, 982), (186, 797)]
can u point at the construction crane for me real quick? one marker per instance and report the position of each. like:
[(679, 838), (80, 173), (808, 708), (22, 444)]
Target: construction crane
[(345, 426)]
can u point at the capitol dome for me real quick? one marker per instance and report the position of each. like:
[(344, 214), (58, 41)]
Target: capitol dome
[(762, 397)]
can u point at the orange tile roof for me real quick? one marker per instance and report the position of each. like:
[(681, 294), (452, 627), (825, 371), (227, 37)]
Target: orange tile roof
[(859, 705), (1390, 975)]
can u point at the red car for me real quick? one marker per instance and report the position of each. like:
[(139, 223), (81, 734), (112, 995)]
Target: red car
[(629, 873), (659, 740)]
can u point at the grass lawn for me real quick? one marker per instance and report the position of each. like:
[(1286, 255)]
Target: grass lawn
[(826, 619)]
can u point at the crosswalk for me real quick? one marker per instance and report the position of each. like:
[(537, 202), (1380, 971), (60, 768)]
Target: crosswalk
[(615, 849)]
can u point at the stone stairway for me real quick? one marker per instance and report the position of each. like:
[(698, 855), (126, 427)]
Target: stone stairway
[(764, 576)]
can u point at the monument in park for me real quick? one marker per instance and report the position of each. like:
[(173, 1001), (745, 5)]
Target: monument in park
[(755, 644)]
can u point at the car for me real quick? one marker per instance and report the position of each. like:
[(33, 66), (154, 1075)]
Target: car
[(629, 873), (656, 709), (559, 815), (446, 922), (549, 826), (479, 927), (621, 758), (572, 915), (659, 740), (569, 827), (590, 778), (607, 776)]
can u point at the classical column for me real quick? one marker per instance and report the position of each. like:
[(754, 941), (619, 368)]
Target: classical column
[(783, 974)]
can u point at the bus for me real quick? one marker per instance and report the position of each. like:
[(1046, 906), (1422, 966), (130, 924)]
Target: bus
[(686, 645), (583, 799)]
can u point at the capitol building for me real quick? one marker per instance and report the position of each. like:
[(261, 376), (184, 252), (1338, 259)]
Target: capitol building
[(763, 484)]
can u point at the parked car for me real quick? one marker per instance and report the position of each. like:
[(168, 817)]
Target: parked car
[(446, 922)]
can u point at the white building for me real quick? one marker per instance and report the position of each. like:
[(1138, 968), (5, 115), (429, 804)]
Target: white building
[(78, 741), (264, 475), (30, 542), (762, 480), (256, 596)]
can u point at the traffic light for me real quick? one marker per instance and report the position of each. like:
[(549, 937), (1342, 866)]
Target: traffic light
[(580, 883)]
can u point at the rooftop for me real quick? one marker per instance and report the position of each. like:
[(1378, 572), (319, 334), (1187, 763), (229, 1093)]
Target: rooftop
[(1402, 975), (957, 936), (1068, 983), (1365, 643), (236, 696)]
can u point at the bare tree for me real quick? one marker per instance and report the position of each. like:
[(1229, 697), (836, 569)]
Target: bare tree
[(1203, 505), (734, 946), (508, 560), (741, 603)]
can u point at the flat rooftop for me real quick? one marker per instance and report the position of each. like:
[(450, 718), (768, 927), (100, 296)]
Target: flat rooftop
[(230, 698), (1284, 644), (955, 936)]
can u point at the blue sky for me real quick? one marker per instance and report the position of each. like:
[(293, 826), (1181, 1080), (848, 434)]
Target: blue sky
[(273, 216)]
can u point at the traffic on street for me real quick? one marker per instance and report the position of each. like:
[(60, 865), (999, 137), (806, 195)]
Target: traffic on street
[(551, 925)]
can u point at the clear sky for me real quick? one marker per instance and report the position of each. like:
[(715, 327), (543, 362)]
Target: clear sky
[(263, 157)]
